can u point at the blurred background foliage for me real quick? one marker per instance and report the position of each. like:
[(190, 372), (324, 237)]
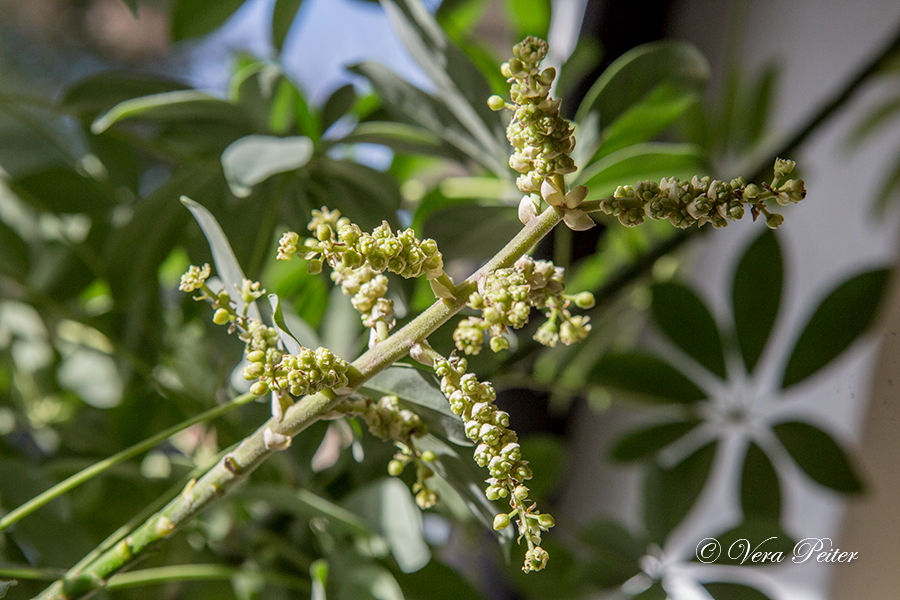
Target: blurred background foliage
[(101, 133)]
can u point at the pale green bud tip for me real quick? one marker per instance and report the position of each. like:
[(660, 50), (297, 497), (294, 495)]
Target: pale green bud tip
[(429, 456), (221, 316), (584, 300), (774, 220), (546, 521), (501, 521), (259, 388), (314, 266), (783, 167), (496, 103), (395, 468)]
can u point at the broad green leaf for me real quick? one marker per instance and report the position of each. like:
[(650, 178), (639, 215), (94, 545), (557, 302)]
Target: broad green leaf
[(733, 591), (547, 457), (436, 581), (631, 76), (748, 543), (61, 190), (294, 343), (227, 267), (402, 138), (472, 231), (647, 119), (756, 296), (890, 186), (670, 493), (389, 509), (615, 553), (178, 106), (423, 397), (254, 158), (758, 106), (338, 104), (14, 254), (99, 92), (529, 17), (875, 121), (458, 18), (819, 455), (647, 441), (654, 592), (366, 196), (844, 315), (640, 162), (363, 581), (283, 16), (194, 18), (684, 318), (760, 488), (645, 378), (408, 104), (460, 85)]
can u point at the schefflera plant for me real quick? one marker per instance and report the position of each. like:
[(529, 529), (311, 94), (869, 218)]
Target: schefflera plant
[(308, 385)]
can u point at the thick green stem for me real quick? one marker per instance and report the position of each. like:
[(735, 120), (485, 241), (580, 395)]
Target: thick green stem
[(251, 452)]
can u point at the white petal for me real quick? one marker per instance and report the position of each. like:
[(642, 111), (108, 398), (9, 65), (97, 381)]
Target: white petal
[(527, 210), (578, 220), (551, 193), (576, 196)]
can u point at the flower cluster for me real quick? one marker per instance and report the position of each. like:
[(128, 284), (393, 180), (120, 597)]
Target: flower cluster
[(387, 421), (505, 298), (358, 260), (498, 450), (195, 278), (703, 200)]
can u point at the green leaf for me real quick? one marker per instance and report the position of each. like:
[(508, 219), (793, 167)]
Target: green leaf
[(748, 543), (547, 458), (408, 104), (338, 104), (616, 553), (194, 18), (14, 254), (645, 442), (756, 296), (227, 267), (283, 15), (875, 121), (389, 509), (819, 455), (254, 158), (684, 318), (529, 17), (670, 493), (461, 87), (890, 186), (364, 195), (402, 138), (472, 231), (844, 315), (422, 396), (63, 191), (637, 72), (733, 591), (178, 106), (759, 106), (646, 378), (99, 92), (760, 488), (293, 343), (436, 581), (647, 119), (133, 7), (649, 161), (364, 581)]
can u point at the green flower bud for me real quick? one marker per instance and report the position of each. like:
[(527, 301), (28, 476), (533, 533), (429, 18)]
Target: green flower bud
[(395, 468), (501, 521), (499, 343), (584, 300), (429, 456), (496, 103), (221, 316), (259, 388), (546, 521), (774, 220)]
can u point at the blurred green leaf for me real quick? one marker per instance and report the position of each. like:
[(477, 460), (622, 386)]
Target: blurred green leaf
[(100, 92), (845, 314), (615, 553), (402, 138), (283, 15), (61, 190), (529, 17), (645, 378), (646, 119), (645, 442), (548, 459), (194, 18), (254, 158), (733, 591), (756, 296), (389, 509), (670, 493), (644, 162), (472, 230), (435, 581), (14, 253), (180, 105), (890, 186), (760, 488), (338, 104), (421, 395), (354, 581), (306, 336), (684, 318), (227, 267), (874, 122), (460, 85), (819, 455), (758, 107), (637, 72)]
